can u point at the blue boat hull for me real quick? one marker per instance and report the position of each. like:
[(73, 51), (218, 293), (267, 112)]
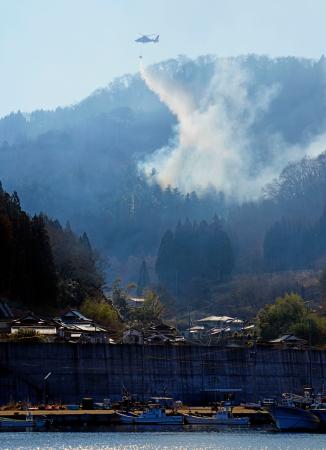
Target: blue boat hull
[(294, 419), (321, 414)]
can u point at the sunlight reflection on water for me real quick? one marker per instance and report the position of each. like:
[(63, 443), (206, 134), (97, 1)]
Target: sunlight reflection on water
[(228, 440)]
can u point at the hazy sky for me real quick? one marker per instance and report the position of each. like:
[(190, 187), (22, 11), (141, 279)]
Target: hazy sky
[(55, 52)]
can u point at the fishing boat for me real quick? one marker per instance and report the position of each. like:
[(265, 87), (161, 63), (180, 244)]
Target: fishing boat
[(152, 416), (29, 422), (221, 417), (251, 405), (291, 418), (318, 408), (300, 412)]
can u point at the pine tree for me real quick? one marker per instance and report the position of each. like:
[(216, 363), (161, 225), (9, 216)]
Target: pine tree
[(194, 252), (165, 262), (143, 281), (85, 242)]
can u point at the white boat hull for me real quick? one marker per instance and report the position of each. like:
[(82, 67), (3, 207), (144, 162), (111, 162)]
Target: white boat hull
[(197, 420), (165, 420)]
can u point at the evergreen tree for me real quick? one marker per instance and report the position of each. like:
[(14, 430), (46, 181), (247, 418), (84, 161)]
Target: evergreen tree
[(194, 252), (43, 277), (26, 263), (143, 281), (41, 264), (165, 262), (85, 242)]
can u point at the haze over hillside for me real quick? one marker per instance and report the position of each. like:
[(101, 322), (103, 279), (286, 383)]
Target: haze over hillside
[(218, 131)]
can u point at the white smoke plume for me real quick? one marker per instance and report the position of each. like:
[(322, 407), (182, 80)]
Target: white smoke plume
[(212, 147)]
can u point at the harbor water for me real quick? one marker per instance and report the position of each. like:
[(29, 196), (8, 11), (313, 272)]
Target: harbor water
[(224, 440)]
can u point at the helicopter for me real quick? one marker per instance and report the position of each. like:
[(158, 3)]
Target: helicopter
[(146, 38)]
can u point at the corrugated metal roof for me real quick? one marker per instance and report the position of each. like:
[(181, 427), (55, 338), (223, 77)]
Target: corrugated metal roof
[(287, 338), (216, 319), (88, 328), (75, 313)]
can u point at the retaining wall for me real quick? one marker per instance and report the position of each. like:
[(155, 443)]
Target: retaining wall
[(187, 373)]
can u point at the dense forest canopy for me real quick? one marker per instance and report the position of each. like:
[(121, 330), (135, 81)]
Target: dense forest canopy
[(194, 252), (26, 262), (295, 245), (43, 265)]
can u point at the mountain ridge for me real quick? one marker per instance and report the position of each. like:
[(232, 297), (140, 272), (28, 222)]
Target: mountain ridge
[(81, 163)]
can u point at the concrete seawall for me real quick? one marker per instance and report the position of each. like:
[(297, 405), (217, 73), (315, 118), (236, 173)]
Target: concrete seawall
[(187, 373)]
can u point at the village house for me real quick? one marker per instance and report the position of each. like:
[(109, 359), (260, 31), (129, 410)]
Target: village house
[(161, 328), (75, 327), (31, 322), (288, 340), (132, 336), (158, 339), (155, 333), (196, 333), (71, 327), (214, 329), (225, 323)]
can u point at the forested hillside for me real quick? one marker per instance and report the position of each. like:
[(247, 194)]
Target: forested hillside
[(194, 254), (26, 261), (42, 265), (83, 164)]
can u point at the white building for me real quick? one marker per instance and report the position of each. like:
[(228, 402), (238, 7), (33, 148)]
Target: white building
[(135, 302), (221, 322), (31, 322)]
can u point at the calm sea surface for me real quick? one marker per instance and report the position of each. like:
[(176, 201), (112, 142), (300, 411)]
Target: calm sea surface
[(226, 440)]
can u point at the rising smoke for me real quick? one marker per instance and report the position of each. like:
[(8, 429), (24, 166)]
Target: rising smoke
[(213, 145)]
